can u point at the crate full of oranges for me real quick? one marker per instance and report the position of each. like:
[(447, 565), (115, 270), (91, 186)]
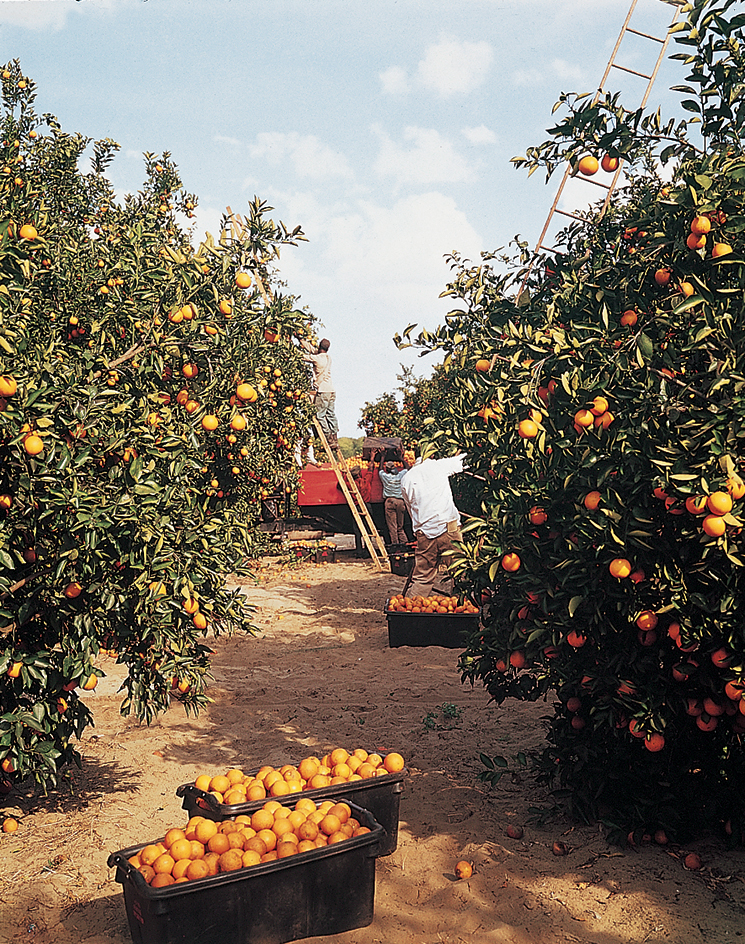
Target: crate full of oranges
[(372, 780), (293, 868), (430, 621)]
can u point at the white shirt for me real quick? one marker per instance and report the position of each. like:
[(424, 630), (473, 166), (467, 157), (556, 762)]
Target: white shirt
[(425, 489), (321, 364)]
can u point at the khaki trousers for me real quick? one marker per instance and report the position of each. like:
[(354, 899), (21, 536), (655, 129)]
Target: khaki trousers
[(395, 511), (430, 553)]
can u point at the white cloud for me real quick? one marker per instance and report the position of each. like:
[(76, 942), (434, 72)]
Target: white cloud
[(382, 267), (309, 156), (394, 81), (480, 135), (567, 72), (451, 66), (222, 139), (431, 158), (50, 14)]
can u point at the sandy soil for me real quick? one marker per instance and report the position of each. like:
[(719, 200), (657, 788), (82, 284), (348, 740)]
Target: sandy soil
[(320, 675)]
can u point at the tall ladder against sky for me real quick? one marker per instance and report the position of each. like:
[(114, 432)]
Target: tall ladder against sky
[(360, 512), (662, 44)]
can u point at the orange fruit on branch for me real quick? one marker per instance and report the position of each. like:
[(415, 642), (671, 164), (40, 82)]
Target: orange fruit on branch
[(588, 165)]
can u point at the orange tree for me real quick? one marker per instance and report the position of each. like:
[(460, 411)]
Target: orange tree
[(603, 407), (419, 398), (150, 396)]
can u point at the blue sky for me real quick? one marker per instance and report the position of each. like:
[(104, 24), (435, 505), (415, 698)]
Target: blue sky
[(383, 127)]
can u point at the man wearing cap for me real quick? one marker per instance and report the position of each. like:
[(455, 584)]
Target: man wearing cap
[(325, 397), (425, 489), (395, 508)]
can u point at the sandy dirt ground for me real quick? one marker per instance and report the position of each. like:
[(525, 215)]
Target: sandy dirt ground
[(321, 674)]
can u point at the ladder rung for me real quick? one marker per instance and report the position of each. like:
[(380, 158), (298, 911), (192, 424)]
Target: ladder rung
[(595, 183), (645, 35), (642, 75)]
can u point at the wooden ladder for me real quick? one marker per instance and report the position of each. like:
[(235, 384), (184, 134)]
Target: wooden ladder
[(363, 518), (609, 187), (344, 477)]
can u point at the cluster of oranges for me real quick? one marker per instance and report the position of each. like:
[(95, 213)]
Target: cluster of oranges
[(597, 415), (312, 773), (435, 604), (205, 848), (712, 508)]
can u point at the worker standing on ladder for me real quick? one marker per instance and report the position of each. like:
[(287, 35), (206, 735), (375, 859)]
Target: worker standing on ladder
[(426, 491), (325, 395)]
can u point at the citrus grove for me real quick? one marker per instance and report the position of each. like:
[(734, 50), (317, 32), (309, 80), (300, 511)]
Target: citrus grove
[(150, 397), (599, 395)]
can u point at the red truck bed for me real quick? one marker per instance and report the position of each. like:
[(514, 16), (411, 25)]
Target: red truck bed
[(319, 486)]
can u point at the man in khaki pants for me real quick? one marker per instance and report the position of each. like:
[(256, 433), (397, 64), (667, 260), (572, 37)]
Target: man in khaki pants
[(425, 489)]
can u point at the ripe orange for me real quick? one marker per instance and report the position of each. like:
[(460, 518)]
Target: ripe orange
[(647, 620), (662, 276), (695, 242), (164, 863), (736, 488), (696, 504), (592, 500), (14, 670), (575, 639), (629, 317), (197, 869), (720, 249), (527, 429), (393, 762), (242, 279), (511, 562), (537, 515), (8, 386), (190, 371), (654, 742), (719, 503), (464, 869), (10, 825), (210, 422), (700, 225), (230, 860), (33, 444), (599, 406), (73, 590), (482, 365), (246, 392), (226, 306), (588, 165), (686, 289), (238, 422), (714, 526), (609, 164), (583, 418), (28, 232), (620, 567)]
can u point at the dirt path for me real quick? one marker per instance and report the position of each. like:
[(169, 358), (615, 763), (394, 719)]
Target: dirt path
[(321, 675)]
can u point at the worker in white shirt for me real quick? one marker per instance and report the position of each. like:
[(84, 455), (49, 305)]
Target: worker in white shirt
[(425, 489), (325, 395)]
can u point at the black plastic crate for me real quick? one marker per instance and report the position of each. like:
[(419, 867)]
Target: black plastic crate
[(321, 892), (380, 796), (401, 557), (448, 630)]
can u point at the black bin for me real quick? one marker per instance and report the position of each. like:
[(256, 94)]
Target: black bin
[(380, 796), (448, 630), (321, 892)]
